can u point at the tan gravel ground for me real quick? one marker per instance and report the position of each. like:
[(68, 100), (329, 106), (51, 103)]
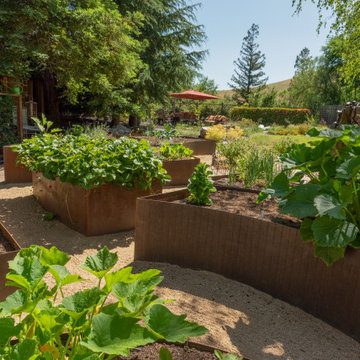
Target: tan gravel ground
[(239, 317)]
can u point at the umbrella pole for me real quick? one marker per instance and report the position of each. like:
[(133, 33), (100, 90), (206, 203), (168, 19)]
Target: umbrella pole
[(173, 104)]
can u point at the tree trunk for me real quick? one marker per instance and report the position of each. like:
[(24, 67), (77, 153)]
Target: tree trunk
[(133, 121), (51, 97)]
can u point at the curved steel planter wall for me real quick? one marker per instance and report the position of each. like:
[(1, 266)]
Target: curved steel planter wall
[(200, 146), (4, 267), (180, 170), (14, 173), (270, 257), (102, 210)]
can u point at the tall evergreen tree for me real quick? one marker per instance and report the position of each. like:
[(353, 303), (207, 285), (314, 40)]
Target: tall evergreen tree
[(303, 60), (248, 67)]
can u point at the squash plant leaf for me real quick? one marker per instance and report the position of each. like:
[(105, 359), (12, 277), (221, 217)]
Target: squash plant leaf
[(53, 256), (279, 188), (172, 328), (306, 231), (24, 350), (329, 254), (62, 275), (112, 334), (165, 354), (101, 263), (349, 169), (330, 232), (328, 204), (8, 329), (16, 303)]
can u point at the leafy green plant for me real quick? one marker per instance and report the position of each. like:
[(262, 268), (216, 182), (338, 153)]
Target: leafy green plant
[(8, 133), (327, 190), (94, 328), (168, 133), (201, 186), (44, 125), (87, 162), (284, 145), (221, 356), (174, 151)]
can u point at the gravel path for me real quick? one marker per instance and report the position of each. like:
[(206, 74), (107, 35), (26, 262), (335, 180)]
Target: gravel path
[(239, 317)]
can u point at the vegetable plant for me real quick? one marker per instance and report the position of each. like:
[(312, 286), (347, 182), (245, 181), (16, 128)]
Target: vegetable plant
[(167, 133), (94, 328), (320, 184), (201, 186), (92, 161), (174, 151)]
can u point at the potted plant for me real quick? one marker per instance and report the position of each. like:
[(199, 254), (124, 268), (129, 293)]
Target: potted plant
[(178, 162), (8, 250), (91, 183), (262, 245)]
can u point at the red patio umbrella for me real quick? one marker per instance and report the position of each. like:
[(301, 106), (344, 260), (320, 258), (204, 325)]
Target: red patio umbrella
[(193, 95)]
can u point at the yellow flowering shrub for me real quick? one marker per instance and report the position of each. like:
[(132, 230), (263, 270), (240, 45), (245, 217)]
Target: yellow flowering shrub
[(216, 132), (235, 133)]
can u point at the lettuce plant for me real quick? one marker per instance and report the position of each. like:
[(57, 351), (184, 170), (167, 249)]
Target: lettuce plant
[(174, 151), (321, 185), (201, 186), (92, 161), (94, 328)]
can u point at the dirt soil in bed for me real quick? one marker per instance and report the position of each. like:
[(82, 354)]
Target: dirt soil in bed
[(5, 245), (240, 318)]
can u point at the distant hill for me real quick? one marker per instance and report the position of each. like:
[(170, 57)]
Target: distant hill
[(280, 85)]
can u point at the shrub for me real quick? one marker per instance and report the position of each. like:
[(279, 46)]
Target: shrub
[(201, 186), (167, 133), (235, 133), (321, 185), (216, 132), (269, 116), (8, 133), (95, 329), (87, 162), (284, 145), (174, 151)]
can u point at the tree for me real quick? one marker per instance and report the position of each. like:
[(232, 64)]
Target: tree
[(204, 84), (78, 47), (303, 60), (248, 67), (170, 33), (346, 14)]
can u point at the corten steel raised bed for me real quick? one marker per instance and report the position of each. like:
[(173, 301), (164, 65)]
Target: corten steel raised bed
[(180, 170), (14, 173), (102, 210), (4, 266), (268, 256), (200, 146)]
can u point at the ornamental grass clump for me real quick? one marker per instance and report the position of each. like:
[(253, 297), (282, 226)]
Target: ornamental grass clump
[(201, 186), (93, 327), (89, 162), (320, 184)]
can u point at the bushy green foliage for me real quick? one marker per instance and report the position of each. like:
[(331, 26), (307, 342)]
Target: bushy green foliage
[(327, 191), (95, 329), (174, 151), (87, 161), (167, 133), (8, 134), (269, 116), (201, 186)]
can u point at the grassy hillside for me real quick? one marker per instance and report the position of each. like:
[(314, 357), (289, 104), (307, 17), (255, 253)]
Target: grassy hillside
[(280, 85)]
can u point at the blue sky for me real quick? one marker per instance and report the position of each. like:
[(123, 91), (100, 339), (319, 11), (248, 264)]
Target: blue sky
[(282, 35)]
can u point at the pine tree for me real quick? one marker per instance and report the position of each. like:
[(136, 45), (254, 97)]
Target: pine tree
[(248, 67), (303, 60)]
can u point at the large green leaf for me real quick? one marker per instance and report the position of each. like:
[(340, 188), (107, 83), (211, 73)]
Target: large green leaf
[(75, 305), (24, 350), (165, 354), (330, 232), (26, 272), (62, 275), (306, 231), (16, 303), (139, 287), (101, 263), (279, 188), (300, 203), (330, 133), (112, 334), (53, 256), (112, 278), (137, 304), (349, 168), (330, 205), (329, 254), (172, 328), (8, 329)]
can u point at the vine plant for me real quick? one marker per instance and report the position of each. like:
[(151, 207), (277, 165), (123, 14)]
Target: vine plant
[(321, 185), (95, 328)]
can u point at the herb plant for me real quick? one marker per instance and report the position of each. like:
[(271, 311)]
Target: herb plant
[(87, 162), (232, 151), (95, 329), (174, 151), (327, 190), (201, 186)]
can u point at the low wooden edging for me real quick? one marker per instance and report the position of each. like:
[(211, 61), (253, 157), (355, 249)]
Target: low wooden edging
[(4, 266), (14, 173), (268, 256), (180, 170), (103, 210), (200, 146)]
